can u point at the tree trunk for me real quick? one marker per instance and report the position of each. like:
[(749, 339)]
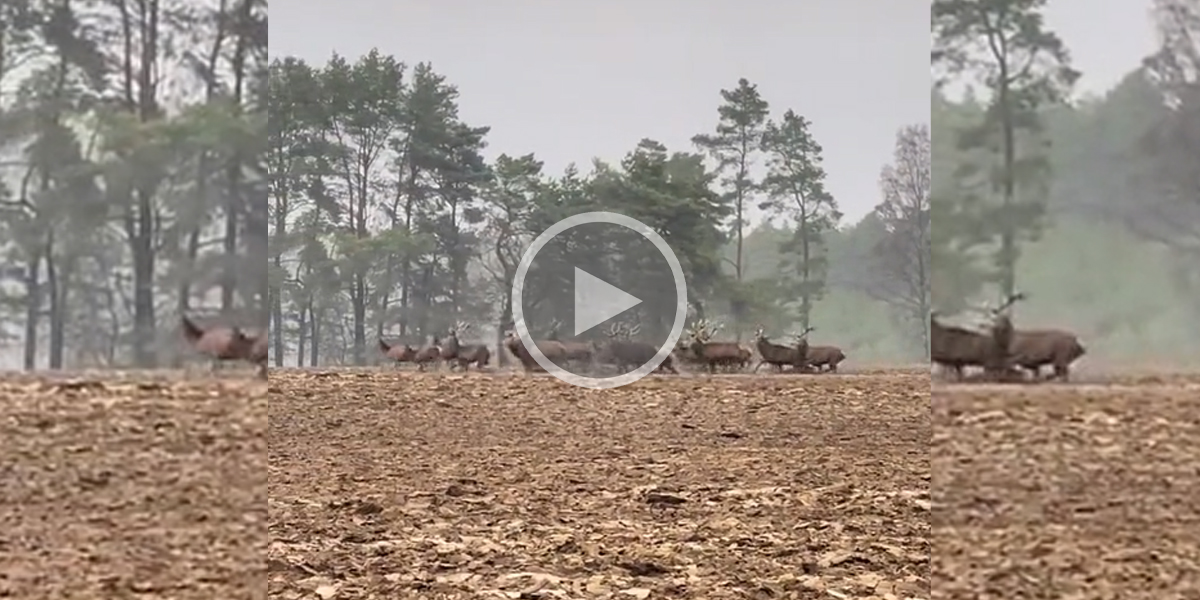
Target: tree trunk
[(315, 320), (33, 309)]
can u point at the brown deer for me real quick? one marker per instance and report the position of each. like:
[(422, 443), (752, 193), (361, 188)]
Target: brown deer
[(428, 355), (223, 343), (622, 351), (552, 349), (398, 353), (456, 353), (713, 354), (775, 355)]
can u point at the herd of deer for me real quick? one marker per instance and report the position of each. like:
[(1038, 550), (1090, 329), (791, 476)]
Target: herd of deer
[(623, 351), (1003, 351)]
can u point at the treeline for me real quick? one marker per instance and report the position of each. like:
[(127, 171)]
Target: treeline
[(1088, 205), (387, 220), (132, 186)]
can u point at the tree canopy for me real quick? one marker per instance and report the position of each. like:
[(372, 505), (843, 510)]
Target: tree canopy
[(390, 217)]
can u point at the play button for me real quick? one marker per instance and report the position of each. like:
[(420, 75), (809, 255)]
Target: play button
[(619, 284), (596, 301)]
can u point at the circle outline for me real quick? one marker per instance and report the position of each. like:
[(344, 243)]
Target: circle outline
[(518, 288)]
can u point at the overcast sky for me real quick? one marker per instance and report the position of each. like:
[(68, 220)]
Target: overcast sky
[(574, 80), (1107, 39)]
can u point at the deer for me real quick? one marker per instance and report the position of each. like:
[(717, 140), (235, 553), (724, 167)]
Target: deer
[(775, 355), (579, 353), (711, 354), (224, 343), (552, 349), (954, 347), (398, 353), (624, 352), (428, 355), (454, 352)]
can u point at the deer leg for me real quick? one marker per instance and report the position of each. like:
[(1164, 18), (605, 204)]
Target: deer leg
[(1062, 372)]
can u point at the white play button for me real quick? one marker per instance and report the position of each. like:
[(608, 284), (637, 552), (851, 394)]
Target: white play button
[(597, 301)]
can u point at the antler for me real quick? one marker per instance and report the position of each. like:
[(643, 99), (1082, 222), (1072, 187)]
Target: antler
[(804, 334), (634, 330), (614, 330), (713, 329), (1013, 299)]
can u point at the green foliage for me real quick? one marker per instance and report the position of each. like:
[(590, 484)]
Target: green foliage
[(742, 119), (795, 189), (1001, 189)]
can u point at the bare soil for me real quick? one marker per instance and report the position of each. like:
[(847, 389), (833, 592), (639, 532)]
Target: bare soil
[(147, 486), (1068, 491), (404, 485)]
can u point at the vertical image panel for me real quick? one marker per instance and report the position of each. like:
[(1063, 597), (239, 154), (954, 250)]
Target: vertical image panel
[(1065, 238), (619, 299), (133, 252)]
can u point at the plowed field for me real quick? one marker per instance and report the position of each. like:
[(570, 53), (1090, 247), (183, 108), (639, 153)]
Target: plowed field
[(134, 486), (404, 485), (1067, 491)]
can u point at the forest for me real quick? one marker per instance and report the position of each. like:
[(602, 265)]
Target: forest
[(132, 185), (1095, 213), (388, 219)]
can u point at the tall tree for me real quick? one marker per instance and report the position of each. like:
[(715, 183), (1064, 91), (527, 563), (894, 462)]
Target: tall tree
[(1005, 45), (517, 189), (795, 189), (419, 151), (901, 259), (1173, 144), (734, 146), (365, 104), (295, 147)]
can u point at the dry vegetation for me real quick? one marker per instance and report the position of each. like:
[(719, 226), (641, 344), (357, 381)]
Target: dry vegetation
[(405, 485), (136, 485), (1067, 491)]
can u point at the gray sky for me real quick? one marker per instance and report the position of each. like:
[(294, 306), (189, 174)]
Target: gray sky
[(1107, 39), (574, 80)]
